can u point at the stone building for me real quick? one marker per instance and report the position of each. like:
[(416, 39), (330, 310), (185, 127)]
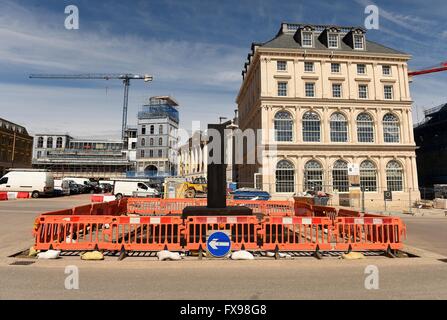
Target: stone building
[(329, 100)]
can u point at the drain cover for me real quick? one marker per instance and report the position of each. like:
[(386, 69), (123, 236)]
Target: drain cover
[(21, 263)]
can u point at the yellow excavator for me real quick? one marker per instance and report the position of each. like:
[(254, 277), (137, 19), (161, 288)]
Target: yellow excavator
[(198, 187)]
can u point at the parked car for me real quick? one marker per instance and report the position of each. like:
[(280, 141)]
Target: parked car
[(127, 188), (106, 187), (61, 188), (74, 188), (36, 182), (251, 194)]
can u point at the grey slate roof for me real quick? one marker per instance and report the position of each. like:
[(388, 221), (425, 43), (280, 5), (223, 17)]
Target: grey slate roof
[(286, 41)]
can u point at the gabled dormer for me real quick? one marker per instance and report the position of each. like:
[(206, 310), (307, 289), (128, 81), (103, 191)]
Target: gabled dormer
[(304, 35), (330, 37), (355, 39)]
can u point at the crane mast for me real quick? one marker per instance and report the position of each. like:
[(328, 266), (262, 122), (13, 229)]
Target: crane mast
[(126, 77)]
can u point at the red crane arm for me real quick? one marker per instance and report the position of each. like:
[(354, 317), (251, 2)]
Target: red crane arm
[(442, 67)]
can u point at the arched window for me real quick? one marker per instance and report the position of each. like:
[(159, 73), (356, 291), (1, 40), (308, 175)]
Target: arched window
[(151, 141), (283, 126), (313, 176), (339, 128), (40, 142), (285, 176), (365, 128), (340, 180), (160, 141), (160, 129), (59, 142), (368, 176), (311, 127), (50, 143), (152, 129), (143, 142), (394, 176), (391, 128)]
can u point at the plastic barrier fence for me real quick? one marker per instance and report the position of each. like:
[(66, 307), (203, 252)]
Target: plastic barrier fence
[(369, 233), (243, 231), (296, 234), (113, 208), (14, 195), (108, 233)]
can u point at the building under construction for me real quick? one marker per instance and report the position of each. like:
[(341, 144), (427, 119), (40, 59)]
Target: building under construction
[(431, 138)]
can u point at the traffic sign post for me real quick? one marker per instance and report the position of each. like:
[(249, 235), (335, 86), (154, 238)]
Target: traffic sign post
[(218, 243)]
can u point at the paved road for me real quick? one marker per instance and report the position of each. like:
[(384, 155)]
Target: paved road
[(191, 279)]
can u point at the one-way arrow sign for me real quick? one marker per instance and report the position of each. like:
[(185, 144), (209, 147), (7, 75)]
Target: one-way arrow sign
[(218, 244)]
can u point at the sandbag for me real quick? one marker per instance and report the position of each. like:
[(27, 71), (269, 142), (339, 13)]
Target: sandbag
[(92, 255), (50, 254), (168, 255), (32, 252), (242, 255), (353, 256)]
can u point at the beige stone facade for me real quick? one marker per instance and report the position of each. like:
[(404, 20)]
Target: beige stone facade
[(329, 107)]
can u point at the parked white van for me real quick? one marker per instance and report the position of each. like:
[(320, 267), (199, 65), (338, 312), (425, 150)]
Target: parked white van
[(127, 188), (37, 182), (63, 186)]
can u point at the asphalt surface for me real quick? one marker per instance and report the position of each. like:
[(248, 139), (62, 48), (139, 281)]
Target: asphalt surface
[(145, 278)]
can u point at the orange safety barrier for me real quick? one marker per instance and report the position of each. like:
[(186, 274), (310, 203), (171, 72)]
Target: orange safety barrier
[(113, 208), (296, 234), (156, 206), (244, 231), (108, 233), (271, 208), (369, 233)]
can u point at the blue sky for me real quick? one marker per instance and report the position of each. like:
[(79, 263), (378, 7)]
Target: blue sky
[(194, 49)]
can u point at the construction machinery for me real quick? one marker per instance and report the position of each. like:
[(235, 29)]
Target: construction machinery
[(125, 77), (438, 68), (198, 187)]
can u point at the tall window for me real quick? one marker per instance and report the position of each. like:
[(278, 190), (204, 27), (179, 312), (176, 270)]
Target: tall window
[(50, 143), (152, 129), (388, 92), (363, 91), (160, 129), (160, 153), (309, 89), (394, 176), (285, 176), (143, 129), (336, 90), (332, 40), (143, 142), (160, 141), (339, 128), (151, 141), (386, 70), (308, 66), (142, 153), (307, 39), (281, 65), (358, 42), (59, 142), (365, 128), (283, 126), (311, 127), (340, 180), (151, 153), (368, 176), (361, 69), (335, 67), (282, 89), (391, 128), (40, 142), (313, 176)]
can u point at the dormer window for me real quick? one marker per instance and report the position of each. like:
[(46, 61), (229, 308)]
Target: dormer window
[(307, 39), (359, 42), (332, 40)]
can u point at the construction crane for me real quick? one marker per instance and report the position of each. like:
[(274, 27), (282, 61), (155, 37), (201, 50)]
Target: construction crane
[(441, 67), (126, 77)]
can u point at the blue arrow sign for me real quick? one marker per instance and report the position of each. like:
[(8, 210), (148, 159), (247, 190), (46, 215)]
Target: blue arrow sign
[(218, 244)]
